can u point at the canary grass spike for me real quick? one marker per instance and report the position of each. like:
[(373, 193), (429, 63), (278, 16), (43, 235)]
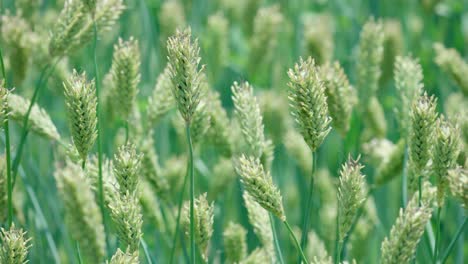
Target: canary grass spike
[(409, 84), (126, 75), (203, 216), (3, 190), (82, 214), (375, 118), (315, 247), (4, 110), (318, 37), (458, 184), (185, 72), (39, 120), (219, 128), (259, 255), (452, 62), (352, 192), (224, 174), (260, 221), (121, 257), (80, 98), (274, 107), (392, 46), (235, 243), (370, 54), (259, 185), (171, 19), (247, 112), (217, 38), (422, 119), (445, 153), (14, 246), (309, 103), (340, 94), (161, 100), (400, 246), (391, 166), (126, 166), (90, 5), (126, 215)]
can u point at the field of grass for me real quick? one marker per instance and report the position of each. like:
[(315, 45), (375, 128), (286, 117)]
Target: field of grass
[(234, 131)]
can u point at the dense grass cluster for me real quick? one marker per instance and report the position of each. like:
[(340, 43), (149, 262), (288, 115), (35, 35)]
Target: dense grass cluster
[(248, 131)]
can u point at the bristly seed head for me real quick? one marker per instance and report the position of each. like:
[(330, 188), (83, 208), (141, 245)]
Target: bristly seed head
[(127, 168)]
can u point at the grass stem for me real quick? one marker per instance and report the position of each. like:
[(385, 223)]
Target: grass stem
[(296, 243), (275, 240), (437, 241), (179, 209), (192, 196), (454, 240), (310, 195)]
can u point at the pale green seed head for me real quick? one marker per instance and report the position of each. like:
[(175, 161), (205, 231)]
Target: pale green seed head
[(445, 153), (171, 18), (80, 98), (4, 111), (393, 46), (400, 246), (247, 112), (203, 222), (370, 54), (318, 32), (82, 214), (259, 255), (374, 118), (453, 64), (126, 214), (352, 192), (125, 72), (341, 96), (298, 149), (458, 184), (260, 186), (392, 166), (3, 190), (14, 246), (121, 257), (127, 164), (315, 247), (219, 131), (409, 84), (235, 242), (185, 72), (309, 103), (161, 100)]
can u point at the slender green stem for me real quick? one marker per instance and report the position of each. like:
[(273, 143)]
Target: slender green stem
[(176, 232), (404, 180), (338, 243), (310, 195), (99, 133), (454, 240), (339, 248), (46, 71), (6, 127), (296, 243), (192, 196), (78, 253), (275, 239), (145, 251), (437, 241), (127, 132), (419, 190)]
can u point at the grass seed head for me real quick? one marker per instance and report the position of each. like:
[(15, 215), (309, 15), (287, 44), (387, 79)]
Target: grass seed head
[(80, 97), (318, 37), (161, 100), (121, 257), (458, 184), (14, 246), (309, 103), (235, 242), (127, 164), (453, 64)]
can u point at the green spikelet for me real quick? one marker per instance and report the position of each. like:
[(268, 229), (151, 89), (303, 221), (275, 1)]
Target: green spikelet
[(352, 192), (393, 47), (445, 153), (235, 245), (150, 206), (247, 112), (161, 100), (126, 215), (82, 213), (318, 37), (399, 247), (421, 134), (123, 258), (315, 247), (14, 246), (185, 72), (375, 118), (217, 38), (203, 217), (409, 84), (370, 54), (90, 5), (4, 110), (80, 97), (274, 108), (127, 165), (260, 221), (309, 103), (39, 120), (458, 184), (259, 185), (171, 18), (223, 175), (126, 75), (340, 94), (452, 63)]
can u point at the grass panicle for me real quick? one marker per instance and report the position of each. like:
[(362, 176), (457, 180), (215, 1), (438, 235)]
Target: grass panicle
[(14, 246), (185, 72), (161, 100), (121, 257), (400, 246), (318, 32), (80, 97), (458, 184), (453, 64), (392, 165), (126, 166), (235, 242), (309, 102), (82, 213), (204, 217)]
